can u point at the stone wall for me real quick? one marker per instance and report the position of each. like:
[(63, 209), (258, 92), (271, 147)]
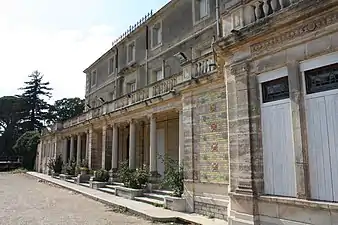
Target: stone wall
[(211, 210)]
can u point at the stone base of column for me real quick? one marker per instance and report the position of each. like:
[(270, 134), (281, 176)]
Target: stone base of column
[(113, 175)]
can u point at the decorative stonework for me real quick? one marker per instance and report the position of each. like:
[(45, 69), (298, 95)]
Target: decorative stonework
[(212, 107), (238, 69), (214, 147), (214, 167), (299, 31), (213, 127)]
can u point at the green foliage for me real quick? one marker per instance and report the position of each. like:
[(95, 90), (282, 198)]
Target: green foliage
[(66, 108), (12, 113), (133, 178), (56, 164), (173, 176), (70, 168), (34, 92), (26, 147), (101, 175), (19, 170)]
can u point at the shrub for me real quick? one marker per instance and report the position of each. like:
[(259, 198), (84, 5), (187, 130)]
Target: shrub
[(101, 175), (56, 164), (173, 176), (133, 178), (69, 168)]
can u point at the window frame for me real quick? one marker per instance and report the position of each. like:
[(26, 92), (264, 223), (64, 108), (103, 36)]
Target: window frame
[(91, 78), (197, 11), (159, 33), (133, 54), (112, 60)]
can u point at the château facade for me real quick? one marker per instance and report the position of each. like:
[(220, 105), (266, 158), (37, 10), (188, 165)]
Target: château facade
[(242, 92)]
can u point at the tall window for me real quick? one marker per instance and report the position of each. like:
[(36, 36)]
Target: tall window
[(156, 34), (201, 9), (93, 78), (111, 65), (159, 75), (131, 52), (132, 87)]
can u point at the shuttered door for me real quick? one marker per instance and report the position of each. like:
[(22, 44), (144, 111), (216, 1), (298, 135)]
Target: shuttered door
[(278, 152), (321, 104)]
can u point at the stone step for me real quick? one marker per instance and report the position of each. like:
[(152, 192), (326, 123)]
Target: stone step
[(108, 190), (151, 201), (155, 196), (84, 184), (70, 180), (117, 184), (112, 186), (162, 192)]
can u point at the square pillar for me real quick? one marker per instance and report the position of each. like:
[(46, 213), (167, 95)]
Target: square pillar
[(132, 145), (180, 138), (103, 158), (153, 145), (78, 150)]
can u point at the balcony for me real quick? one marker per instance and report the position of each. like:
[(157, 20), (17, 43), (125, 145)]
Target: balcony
[(259, 9), (158, 88), (203, 66)]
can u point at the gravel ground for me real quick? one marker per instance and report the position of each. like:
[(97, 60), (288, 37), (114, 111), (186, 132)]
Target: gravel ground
[(24, 200)]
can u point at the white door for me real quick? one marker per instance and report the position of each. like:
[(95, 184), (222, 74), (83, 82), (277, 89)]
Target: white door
[(278, 151), (322, 126), (277, 138), (160, 135)]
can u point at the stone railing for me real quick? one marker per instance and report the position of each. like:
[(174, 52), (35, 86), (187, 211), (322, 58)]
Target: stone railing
[(204, 65), (258, 9), (153, 90)]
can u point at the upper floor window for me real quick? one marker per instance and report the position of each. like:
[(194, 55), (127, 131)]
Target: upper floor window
[(93, 78), (132, 86), (131, 52), (159, 74), (156, 35), (201, 8), (111, 65)]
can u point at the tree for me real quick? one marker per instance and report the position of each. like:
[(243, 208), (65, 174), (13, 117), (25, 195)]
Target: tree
[(12, 113), (33, 93), (67, 108), (26, 147)]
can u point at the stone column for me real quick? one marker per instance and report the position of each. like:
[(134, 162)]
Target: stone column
[(78, 150), (104, 135), (132, 145), (115, 149), (64, 150), (114, 155), (87, 144), (71, 155), (90, 136), (153, 145), (40, 157), (180, 138)]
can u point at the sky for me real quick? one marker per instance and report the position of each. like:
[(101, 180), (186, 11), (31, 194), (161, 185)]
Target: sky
[(60, 38)]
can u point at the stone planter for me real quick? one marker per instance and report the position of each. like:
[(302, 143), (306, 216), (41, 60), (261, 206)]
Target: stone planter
[(82, 178), (128, 193), (55, 175), (96, 184), (174, 203), (83, 171), (65, 177)]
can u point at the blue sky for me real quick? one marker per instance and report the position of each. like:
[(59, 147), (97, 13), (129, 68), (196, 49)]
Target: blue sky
[(60, 38)]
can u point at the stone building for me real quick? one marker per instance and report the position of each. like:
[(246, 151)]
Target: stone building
[(242, 92), (279, 60)]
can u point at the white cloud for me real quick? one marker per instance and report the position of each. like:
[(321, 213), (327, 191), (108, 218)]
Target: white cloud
[(61, 55)]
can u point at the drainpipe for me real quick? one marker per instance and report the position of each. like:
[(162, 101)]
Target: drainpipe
[(217, 19)]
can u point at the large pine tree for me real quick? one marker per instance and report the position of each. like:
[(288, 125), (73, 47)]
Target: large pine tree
[(34, 93)]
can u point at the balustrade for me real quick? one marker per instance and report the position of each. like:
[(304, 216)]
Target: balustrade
[(164, 86), (204, 66), (257, 10)]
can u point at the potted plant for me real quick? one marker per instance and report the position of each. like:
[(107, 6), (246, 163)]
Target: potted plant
[(99, 179), (173, 179), (55, 165), (84, 167), (133, 180)]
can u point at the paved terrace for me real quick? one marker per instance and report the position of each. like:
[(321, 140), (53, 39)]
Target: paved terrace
[(139, 208)]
